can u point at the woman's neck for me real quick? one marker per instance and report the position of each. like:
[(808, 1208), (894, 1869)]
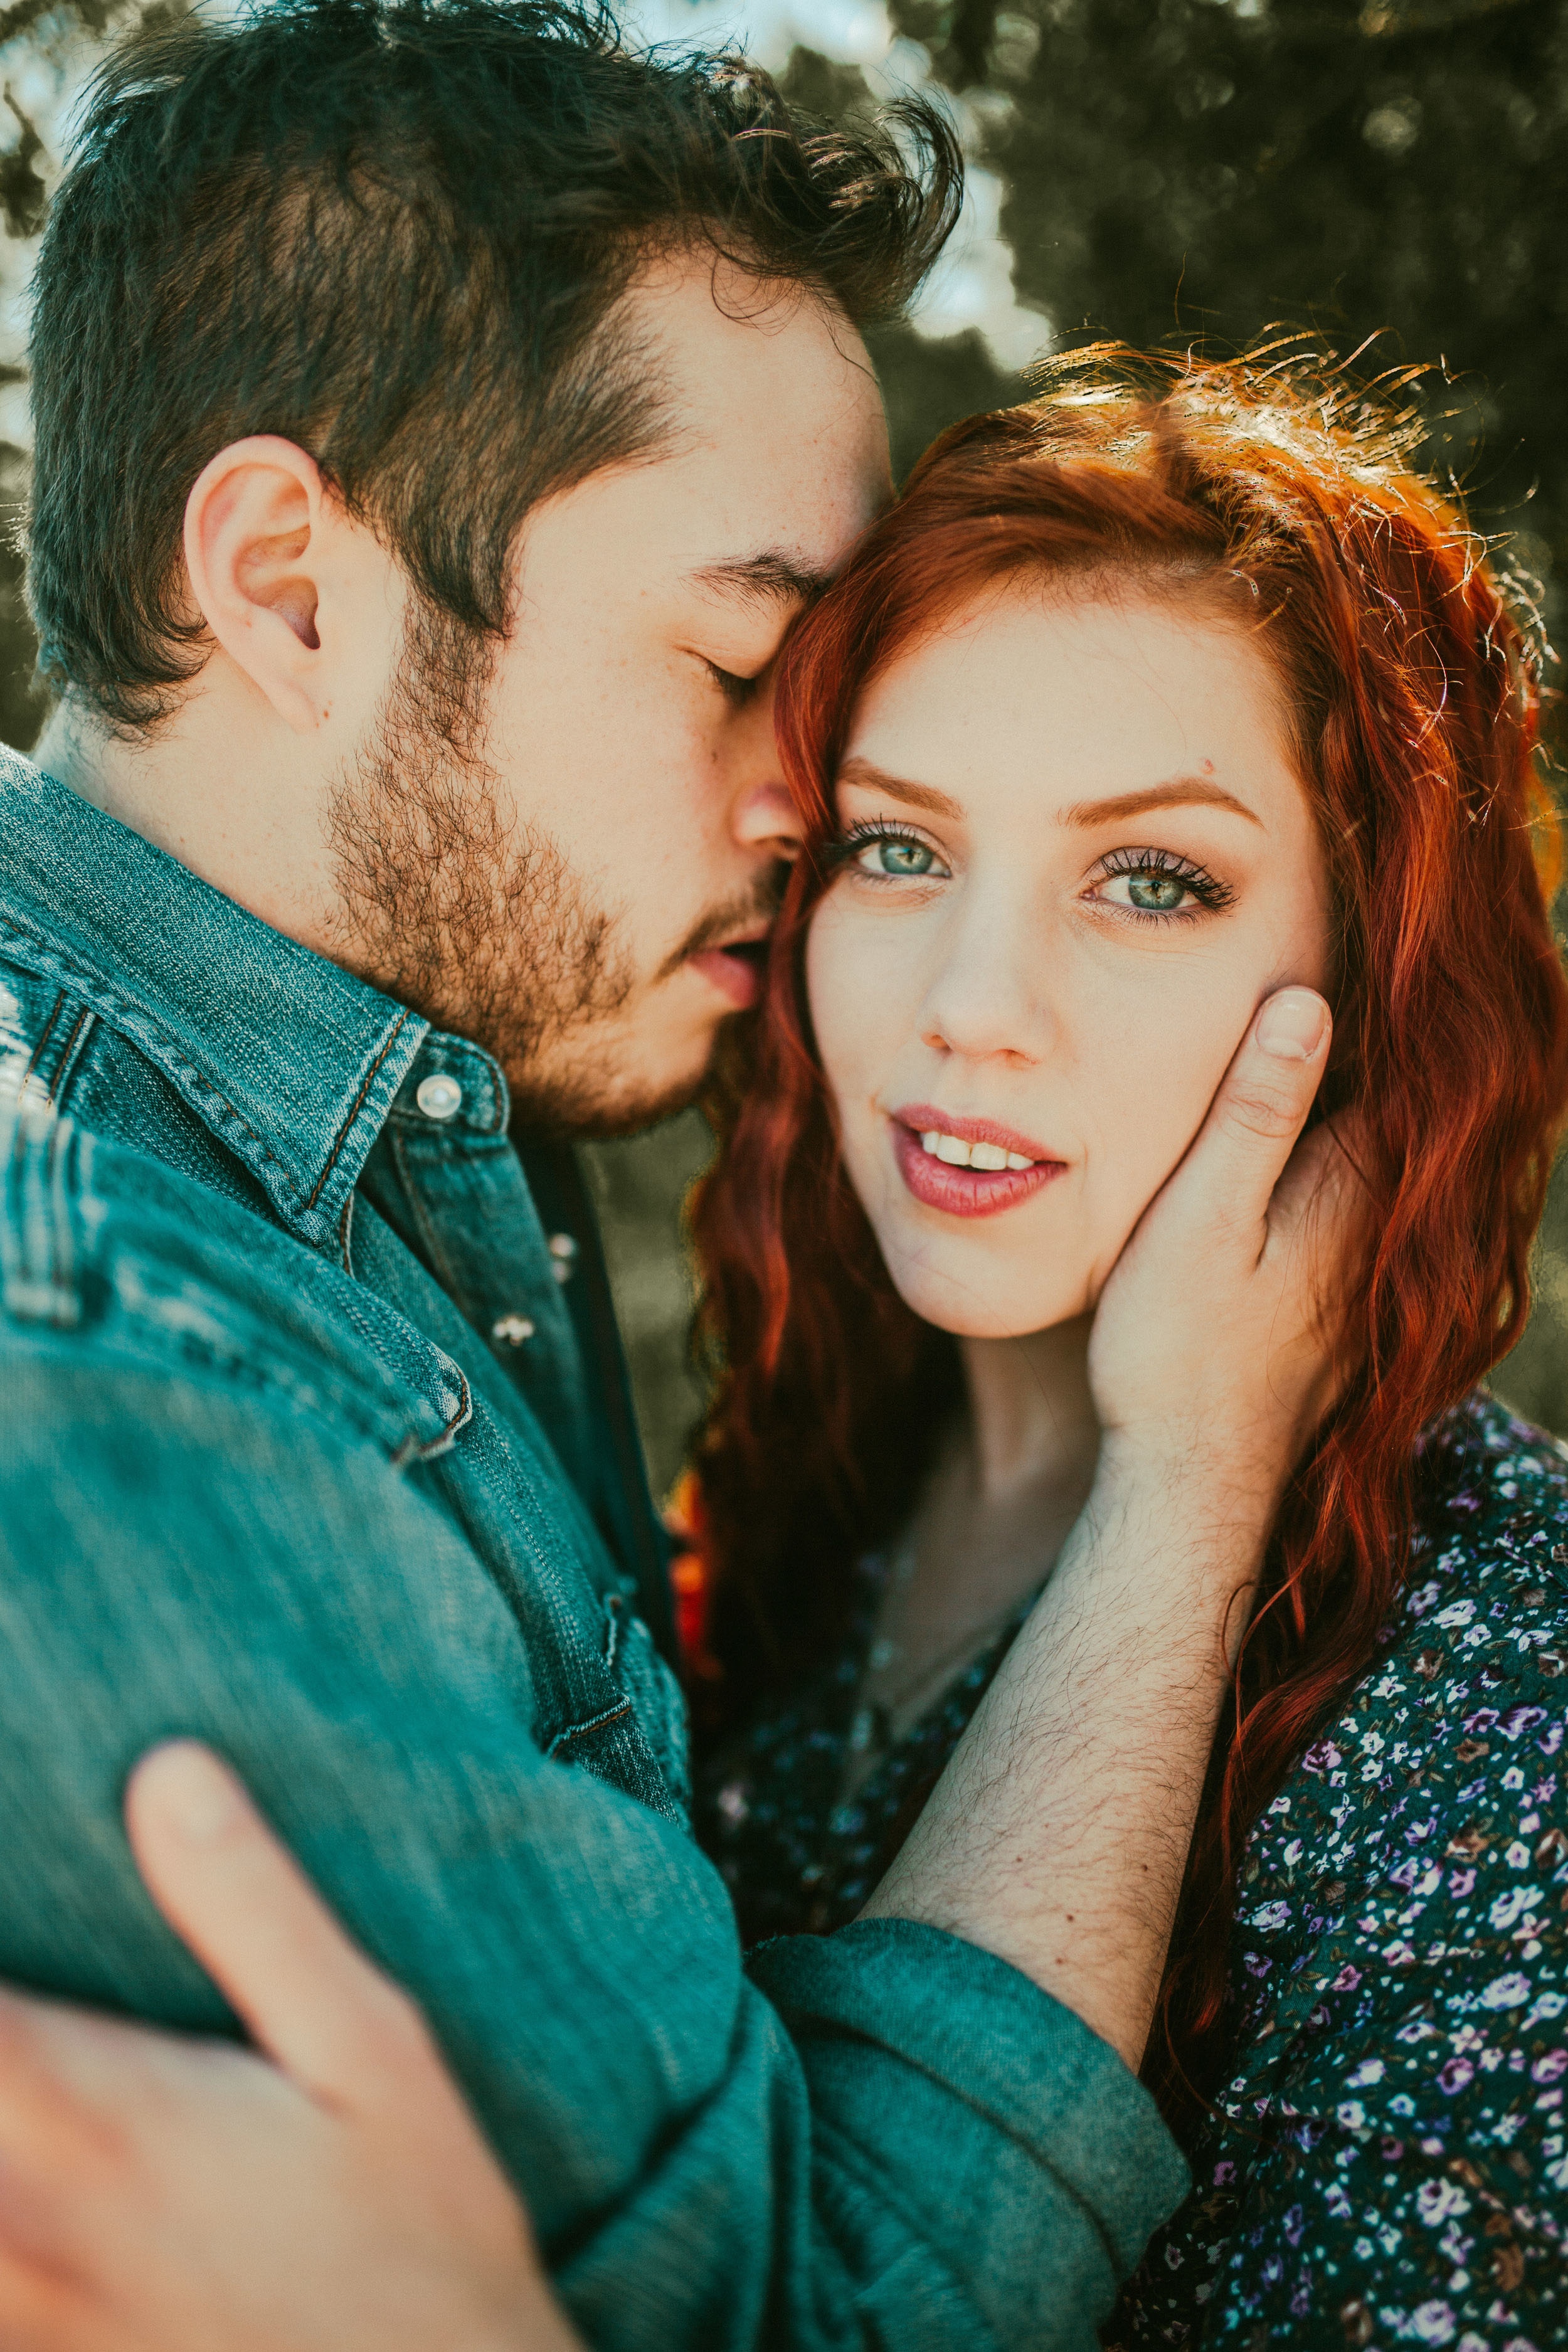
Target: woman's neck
[(1032, 1426), (1002, 1494)]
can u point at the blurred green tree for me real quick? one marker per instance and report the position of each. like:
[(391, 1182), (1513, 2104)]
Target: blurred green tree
[(1392, 176)]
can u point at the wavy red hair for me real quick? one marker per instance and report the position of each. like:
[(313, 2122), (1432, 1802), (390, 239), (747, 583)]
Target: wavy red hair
[(1286, 498)]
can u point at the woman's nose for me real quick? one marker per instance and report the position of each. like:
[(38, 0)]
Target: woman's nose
[(984, 998)]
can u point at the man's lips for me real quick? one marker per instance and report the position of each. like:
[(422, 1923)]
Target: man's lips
[(967, 1191), (735, 970)]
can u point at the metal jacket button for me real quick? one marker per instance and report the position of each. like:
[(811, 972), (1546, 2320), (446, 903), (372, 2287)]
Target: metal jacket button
[(563, 1255), (512, 1328), (439, 1097)]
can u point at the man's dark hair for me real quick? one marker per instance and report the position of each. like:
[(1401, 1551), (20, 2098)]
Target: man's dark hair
[(397, 233)]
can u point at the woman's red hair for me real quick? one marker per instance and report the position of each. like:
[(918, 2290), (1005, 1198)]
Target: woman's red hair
[(1288, 502)]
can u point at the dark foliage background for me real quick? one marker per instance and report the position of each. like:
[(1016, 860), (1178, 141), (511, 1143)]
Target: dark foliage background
[(1392, 177)]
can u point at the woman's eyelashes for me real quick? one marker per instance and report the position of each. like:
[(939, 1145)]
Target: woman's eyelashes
[(1156, 883), (1143, 885), (882, 851)]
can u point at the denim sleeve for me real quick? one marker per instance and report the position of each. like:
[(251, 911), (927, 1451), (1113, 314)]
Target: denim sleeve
[(887, 2138)]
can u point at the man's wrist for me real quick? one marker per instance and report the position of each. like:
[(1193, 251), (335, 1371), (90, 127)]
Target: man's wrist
[(1175, 1546), (1179, 1491)]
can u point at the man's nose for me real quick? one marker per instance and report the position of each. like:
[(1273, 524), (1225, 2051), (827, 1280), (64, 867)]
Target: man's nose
[(763, 816), (766, 818)]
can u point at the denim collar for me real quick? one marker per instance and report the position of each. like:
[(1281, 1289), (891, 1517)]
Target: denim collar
[(290, 1062)]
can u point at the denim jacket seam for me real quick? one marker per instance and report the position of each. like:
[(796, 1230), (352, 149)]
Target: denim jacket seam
[(616, 1714), (358, 1104), (43, 1158), (113, 1006), (613, 1606), (45, 1034), (204, 1084), (70, 1054), (416, 1448), (127, 1015), (429, 1230), (338, 1407), (54, 1237)]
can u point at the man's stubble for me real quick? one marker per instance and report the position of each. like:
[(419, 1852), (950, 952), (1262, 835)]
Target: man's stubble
[(477, 922)]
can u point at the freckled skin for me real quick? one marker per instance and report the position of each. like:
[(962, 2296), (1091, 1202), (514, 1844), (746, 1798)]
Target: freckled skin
[(1020, 977)]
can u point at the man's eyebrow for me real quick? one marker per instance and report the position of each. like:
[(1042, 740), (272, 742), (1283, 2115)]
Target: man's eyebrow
[(770, 577), (872, 779), (1181, 791)]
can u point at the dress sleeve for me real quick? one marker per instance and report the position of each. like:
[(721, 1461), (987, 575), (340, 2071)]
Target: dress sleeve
[(1397, 2123)]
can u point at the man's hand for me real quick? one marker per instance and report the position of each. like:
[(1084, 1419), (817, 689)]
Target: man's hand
[(1057, 1837), (1216, 1345), (160, 2194)]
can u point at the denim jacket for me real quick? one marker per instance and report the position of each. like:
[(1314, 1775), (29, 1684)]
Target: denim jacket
[(311, 1451)]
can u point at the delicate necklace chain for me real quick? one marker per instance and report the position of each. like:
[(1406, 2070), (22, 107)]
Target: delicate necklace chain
[(871, 1728)]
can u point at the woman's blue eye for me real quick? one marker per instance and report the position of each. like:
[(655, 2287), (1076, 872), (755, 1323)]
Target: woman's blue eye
[(896, 857), (1151, 887), (1158, 894)]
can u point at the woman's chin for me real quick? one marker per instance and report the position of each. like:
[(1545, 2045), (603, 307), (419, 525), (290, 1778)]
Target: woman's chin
[(993, 1307)]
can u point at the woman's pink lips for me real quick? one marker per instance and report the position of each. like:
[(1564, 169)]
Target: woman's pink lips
[(732, 976), (922, 1117), (966, 1192)]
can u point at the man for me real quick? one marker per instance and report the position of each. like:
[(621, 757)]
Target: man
[(440, 416)]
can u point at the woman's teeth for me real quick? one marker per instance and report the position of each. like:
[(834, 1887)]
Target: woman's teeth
[(960, 1154)]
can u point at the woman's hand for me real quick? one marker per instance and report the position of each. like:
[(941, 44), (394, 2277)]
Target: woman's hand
[(1217, 1343), (160, 2194)]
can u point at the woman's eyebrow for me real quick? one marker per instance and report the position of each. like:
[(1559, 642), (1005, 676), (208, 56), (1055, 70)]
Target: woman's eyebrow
[(1181, 791), (872, 779)]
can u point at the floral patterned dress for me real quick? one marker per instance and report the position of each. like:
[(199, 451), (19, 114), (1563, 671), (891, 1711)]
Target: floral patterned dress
[(1388, 2163)]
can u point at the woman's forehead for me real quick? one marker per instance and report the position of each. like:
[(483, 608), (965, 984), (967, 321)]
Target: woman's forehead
[(1059, 696)]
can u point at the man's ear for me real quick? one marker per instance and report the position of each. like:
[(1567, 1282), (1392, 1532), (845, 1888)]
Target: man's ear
[(255, 524)]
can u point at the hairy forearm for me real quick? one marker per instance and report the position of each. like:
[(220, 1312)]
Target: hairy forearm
[(1057, 1837)]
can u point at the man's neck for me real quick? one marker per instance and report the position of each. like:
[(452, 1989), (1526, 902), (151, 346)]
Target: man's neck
[(212, 787)]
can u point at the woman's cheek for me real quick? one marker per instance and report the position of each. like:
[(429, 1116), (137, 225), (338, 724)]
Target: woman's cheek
[(852, 997), (1151, 1103), (824, 993)]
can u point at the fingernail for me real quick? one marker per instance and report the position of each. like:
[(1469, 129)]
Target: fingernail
[(1291, 1024), (196, 1795)]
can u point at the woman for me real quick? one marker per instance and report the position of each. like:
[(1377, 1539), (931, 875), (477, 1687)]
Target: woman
[(1144, 703), (1170, 687)]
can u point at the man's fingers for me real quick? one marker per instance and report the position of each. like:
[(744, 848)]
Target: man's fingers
[(1323, 1178), (41, 2312), (308, 1997), (52, 2059), (1262, 1104)]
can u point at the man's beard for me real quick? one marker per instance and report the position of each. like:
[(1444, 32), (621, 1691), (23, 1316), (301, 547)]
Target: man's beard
[(479, 925)]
